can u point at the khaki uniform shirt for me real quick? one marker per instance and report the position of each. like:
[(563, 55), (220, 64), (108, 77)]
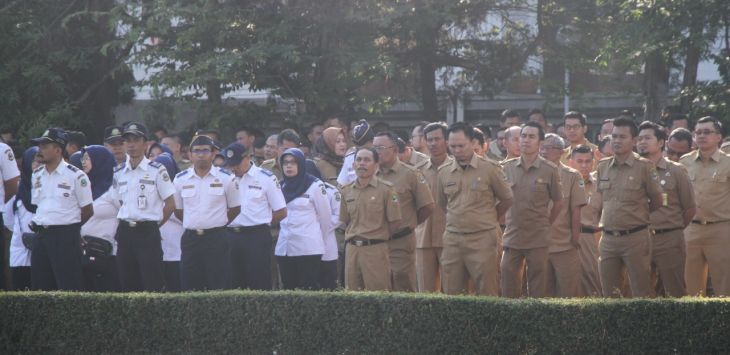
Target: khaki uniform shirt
[(589, 213), (367, 210), (272, 165), (678, 195), (470, 194), (625, 191), (533, 187), (711, 183), (417, 159), (430, 234), (568, 151), (413, 191), (572, 186), (328, 171)]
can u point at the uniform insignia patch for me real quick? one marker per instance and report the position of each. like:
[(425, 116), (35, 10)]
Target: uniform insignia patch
[(84, 182), (421, 178), (324, 191), (338, 197), (165, 177), (10, 155), (394, 197), (653, 174), (581, 183), (229, 154)]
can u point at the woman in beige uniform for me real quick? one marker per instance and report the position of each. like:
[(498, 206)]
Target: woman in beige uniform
[(330, 150)]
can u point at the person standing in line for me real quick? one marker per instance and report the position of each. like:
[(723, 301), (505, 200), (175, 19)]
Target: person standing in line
[(146, 194), (63, 196)]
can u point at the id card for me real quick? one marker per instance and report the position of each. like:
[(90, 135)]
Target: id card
[(141, 202)]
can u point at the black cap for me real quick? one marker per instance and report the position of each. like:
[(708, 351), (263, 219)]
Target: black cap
[(136, 129), (203, 140), (52, 135), (362, 133), (234, 153), (112, 133)]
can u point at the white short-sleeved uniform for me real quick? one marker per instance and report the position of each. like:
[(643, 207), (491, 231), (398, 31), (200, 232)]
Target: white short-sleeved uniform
[(8, 167), (260, 194), (330, 240), (142, 190), (171, 233), (60, 194), (205, 200), (17, 221), (307, 223), (347, 173), (103, 224)]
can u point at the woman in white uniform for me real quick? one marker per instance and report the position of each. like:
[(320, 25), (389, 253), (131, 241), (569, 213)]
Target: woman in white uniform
[(301, 242)]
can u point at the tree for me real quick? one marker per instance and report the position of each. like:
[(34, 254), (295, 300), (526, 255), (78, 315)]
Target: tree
[(55, 71)]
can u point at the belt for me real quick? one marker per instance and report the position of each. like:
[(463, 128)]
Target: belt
[(707, 222), (589, 230), (133, 224), (624, 232), (666, 230), (365, 242), (56, 226), (202, 232), (245, 228), (401, 233)]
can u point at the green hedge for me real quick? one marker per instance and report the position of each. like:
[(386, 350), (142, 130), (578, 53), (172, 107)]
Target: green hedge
[(304, 322)]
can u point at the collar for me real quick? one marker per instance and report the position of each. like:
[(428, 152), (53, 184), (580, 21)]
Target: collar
[(252, 170), (662, 163), (629, 161), (373, 182), (193, 175), (535, 164), (397, 166), (473, 163), (144, 164), (61, 165)]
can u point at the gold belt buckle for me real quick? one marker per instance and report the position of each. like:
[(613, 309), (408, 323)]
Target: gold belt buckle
[(359, 243), (200, 232)]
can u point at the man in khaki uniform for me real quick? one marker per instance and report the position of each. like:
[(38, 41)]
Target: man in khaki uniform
[(576, 128), (669, 221), (630, 192), (582, 160), (708, 237), (474, 192), (371, 211), (429, 235), (564, 267), (535, 182), (416, 205)]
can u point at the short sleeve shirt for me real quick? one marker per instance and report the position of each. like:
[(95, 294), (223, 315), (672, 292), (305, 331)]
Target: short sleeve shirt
[(533, 187), (60, 194), (412, 188), (367, 210), (711, 182), (430, 233), (8, 167), (260, 194), (677, 195), (589, 212), (142, 190), (574, 195), (205, 200)]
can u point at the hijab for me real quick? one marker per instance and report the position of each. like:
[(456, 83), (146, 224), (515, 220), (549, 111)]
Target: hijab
[(26, 177), (75, 159), (325, 146), (101, 174), (166, 160), (295, 186)]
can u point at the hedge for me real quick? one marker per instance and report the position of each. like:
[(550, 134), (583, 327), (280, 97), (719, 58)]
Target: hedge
[(343, 322)]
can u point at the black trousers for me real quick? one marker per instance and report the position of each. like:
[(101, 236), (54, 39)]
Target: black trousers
[(139, 257), (205, 262), (251, 257), (101, 275), (327, 277), (21, 278), (56, 259), (171, 270), (299, 272)]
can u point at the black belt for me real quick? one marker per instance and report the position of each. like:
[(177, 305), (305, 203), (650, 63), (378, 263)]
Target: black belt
[(203, 232), (666, 230), (135, 224), (589, 230), (401, 233), (707, 222), (247, 228), (624, 232), (56, 226), (364, 242)]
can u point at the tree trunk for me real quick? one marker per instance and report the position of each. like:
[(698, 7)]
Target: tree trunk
[(656, 85), (691, 62), (429, 99)]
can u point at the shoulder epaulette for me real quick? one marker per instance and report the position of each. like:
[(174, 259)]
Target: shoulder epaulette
[(155, 164), (266, 172), (182, 173), (350, 151), (119, 167), (72, 168), (605, 159), (330, 186), (448, 163), (224, 171), (549, 163), (269, 162), (38, 169), (385, 182), (510, 160)]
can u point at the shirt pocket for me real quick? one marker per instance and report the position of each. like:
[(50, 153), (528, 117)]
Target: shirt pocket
[(216, 191), (718, 184), (451, 188), (631, 191), (187, 192)]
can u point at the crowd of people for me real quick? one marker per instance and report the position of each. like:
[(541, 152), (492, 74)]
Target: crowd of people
[(540, 211)]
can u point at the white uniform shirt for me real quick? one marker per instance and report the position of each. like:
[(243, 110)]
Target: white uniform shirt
[(142, 191), (260, 195), (307, 223), (103, 224), (205, 201), (17, 221), (60, 194), (347, 173), (8, 167), (171, 233), (330, 240)]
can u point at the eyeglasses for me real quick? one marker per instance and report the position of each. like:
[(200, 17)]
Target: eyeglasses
[(705, 132), (382, 147), (204, 151)]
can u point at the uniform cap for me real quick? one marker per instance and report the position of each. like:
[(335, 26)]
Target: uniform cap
[(112, 133), (136, 129), (362, 133), (234, 153), (52, 135)]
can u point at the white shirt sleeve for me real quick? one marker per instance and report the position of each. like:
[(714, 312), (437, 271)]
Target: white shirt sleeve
[(164, 186), (273, 193), (8, 215), (344, 177), (8, 166), (322, 208), (334, 199), (178, 198), (233, 197), (82, 189)]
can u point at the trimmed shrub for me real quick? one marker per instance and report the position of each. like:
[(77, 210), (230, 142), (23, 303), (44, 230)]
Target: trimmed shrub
[(345, 322)]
